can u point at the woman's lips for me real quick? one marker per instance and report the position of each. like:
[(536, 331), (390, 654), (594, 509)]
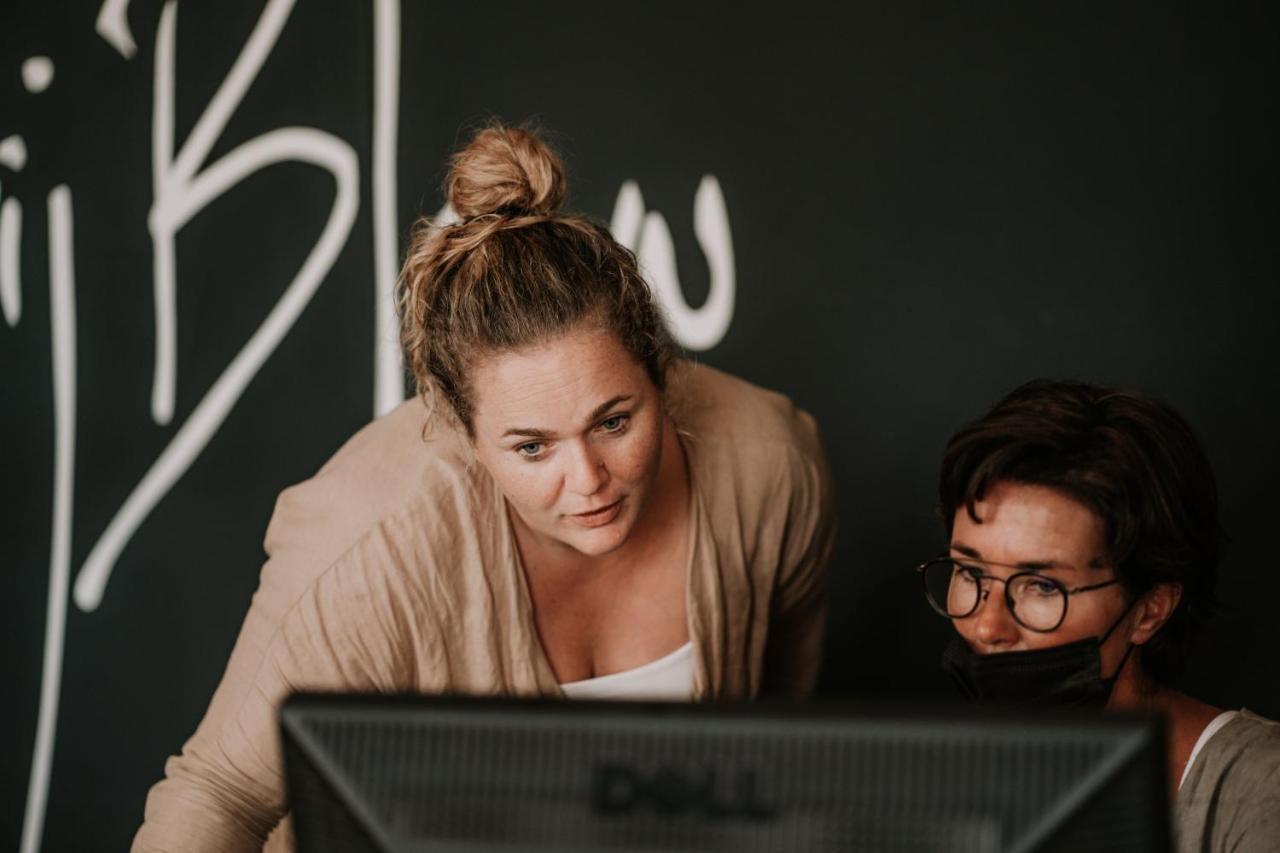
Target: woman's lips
[(599, 517)]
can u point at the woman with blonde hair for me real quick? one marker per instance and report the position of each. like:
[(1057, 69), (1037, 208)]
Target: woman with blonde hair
[(575, 511)]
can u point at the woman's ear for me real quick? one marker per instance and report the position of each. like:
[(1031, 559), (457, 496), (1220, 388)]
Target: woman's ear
[(1153, 610)]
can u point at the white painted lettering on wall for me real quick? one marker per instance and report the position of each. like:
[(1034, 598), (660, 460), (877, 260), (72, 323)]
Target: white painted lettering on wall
[(647, 234), (185, 183), (183, 187), (62, 319)]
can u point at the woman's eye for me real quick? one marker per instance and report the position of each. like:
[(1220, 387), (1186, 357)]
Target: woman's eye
[(614, 424), (531, 449), (1044, 588)]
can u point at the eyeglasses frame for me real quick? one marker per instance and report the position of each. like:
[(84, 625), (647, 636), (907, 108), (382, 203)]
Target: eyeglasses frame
[(1067, 592)]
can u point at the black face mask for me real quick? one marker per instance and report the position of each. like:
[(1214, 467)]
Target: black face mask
[(1069, 675)]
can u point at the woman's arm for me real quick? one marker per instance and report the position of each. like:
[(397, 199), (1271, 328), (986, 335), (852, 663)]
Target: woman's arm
[(793, 652), (315, 623)]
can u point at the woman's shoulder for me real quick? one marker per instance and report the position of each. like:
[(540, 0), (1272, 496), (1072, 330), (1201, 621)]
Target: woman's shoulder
[(398, 471), (713, 405), (1231, 799), (1253, 739), (392, 451), (756, 456), (1250, 737)]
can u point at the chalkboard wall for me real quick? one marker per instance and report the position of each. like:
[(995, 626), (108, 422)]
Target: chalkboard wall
[(893, 214)]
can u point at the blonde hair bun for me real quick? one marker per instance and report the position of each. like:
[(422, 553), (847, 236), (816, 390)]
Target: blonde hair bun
[(515, 271), (506, 170)]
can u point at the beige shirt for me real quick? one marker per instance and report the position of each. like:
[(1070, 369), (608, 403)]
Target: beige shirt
[(1229, 801), (395, 569)]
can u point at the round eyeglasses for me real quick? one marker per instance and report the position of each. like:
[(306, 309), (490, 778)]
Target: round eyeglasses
[(1036, 602)]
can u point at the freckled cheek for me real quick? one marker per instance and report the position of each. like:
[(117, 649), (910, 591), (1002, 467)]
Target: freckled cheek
[(1068, 632), (1080, 624), (1032, 640), (535, 489), (633, 462)]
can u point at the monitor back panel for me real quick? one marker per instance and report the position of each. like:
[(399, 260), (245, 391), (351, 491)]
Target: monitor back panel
[(449, 774)]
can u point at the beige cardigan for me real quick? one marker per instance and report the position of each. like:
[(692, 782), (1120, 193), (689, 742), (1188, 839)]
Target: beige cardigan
[(395, 569)]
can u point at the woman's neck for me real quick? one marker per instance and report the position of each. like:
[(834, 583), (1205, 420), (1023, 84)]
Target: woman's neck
[(1186, 716)]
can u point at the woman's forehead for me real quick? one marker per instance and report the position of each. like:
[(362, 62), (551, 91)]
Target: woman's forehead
[(1021, 523), (554, 383)]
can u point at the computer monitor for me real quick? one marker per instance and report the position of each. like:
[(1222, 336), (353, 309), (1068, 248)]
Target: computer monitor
[(377, 773)]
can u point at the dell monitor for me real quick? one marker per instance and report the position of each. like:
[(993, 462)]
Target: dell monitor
[(452, 774)]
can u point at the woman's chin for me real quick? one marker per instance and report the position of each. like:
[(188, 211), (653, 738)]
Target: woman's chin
[(598, 541)]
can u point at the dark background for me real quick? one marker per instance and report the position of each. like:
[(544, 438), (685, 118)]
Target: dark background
[(929, 204)]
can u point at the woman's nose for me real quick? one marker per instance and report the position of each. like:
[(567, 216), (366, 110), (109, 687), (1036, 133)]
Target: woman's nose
[(587, 474), (993, 624)]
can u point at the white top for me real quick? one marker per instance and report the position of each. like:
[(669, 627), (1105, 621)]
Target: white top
[(669, 678), (1209, 731)]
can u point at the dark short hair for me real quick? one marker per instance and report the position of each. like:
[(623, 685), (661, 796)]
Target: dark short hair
[(1127, 457)]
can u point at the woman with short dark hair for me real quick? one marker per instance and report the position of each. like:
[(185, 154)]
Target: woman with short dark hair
[(1084, 545)]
